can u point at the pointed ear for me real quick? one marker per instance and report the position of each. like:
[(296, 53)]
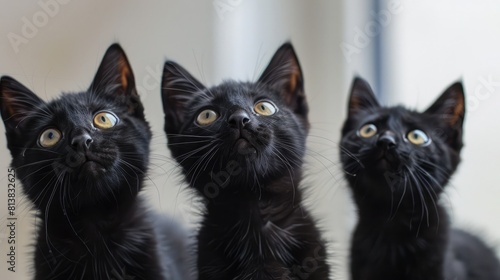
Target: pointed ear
[(450, 106), (115, 78), (16, 103), (284, 74), (361, 97), (178, 89)]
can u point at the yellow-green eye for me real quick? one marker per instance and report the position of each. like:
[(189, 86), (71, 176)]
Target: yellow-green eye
[(49, 137), (264, 108), (418, 137), (207, 117), (105, 120), (367, 130)]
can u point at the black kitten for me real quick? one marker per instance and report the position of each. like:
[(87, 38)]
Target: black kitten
[(82, 159), (241, 145), (397, 163)]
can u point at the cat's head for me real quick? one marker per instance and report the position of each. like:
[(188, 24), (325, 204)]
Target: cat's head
[(237, 132), (79, 148), (396, 149)]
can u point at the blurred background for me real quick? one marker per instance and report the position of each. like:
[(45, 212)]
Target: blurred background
[(410, 51)]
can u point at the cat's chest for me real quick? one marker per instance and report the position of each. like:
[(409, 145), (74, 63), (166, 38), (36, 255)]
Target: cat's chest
[(394, 240), (80, 244), (265, 240), (259, 235), (389, 246), (115, 250), (392, 254), (251, 249)]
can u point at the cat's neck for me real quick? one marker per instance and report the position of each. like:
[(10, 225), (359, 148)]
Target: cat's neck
[(63, 218), (266, 200), (406, 232), (256, 232), (388, 203)]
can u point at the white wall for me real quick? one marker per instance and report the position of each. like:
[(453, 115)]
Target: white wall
[(430, 45), (63, 55)]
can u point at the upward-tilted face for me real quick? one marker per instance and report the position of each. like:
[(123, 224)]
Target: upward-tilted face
[(82, 147), (240, 132), (401, 150)]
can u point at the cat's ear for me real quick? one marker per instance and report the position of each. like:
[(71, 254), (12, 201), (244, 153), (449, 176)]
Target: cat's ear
[(178, 88), (450, 106), (284, 74), (361, 97), (115, 78), (16, 103)]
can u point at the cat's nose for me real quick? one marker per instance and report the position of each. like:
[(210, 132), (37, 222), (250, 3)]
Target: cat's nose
[(238, 119), (82, 141), (387, 140)]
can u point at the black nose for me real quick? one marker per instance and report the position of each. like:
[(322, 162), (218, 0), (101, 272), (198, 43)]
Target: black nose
[(81, 141), (387, 140), (238, 119)]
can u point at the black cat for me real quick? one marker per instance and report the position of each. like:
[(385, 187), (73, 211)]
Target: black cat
[(397, 163), (241, 145), (82, 159)]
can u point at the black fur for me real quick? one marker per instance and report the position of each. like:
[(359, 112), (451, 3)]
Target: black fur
[(247, 167), (403, 231), (92, 225)]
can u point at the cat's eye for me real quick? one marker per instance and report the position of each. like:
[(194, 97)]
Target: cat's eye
[(418, 137), (264, 108), (49, 137), (207, 117), (367, 130), (105, 120)]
